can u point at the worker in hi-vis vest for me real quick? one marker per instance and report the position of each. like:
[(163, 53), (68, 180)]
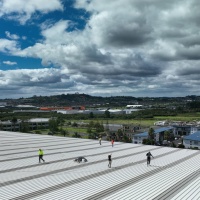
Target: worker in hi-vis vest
[(41, 153)]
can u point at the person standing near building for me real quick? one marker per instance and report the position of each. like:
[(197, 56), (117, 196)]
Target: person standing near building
[(100, 140), (41, 153), (149, 155), (112, 142), (109, 160)]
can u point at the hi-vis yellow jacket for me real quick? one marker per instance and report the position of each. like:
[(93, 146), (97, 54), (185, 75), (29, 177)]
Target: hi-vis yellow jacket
[(40, 152)]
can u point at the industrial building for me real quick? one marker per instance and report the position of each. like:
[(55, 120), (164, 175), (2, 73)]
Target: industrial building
[(158, 135), (32, 124)]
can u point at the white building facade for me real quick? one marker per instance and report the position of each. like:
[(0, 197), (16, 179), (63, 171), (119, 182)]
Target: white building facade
[(192, 141)]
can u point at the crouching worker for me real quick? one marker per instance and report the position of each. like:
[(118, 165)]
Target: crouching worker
[(80, 159)]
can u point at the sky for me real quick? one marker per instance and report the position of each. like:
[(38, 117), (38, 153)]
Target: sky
[(140, 48)]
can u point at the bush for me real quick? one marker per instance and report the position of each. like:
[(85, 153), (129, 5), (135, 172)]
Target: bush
[(173, 144), (74, 124), (148, 142), (144, 141), (127, 139), (76, 135), (181, 146), (92, 136), (38, 132)]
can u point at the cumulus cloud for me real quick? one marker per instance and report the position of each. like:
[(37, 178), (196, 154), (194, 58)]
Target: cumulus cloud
[(8, 46), (9, 63), (26, 82), (22, 10), (148, 47), (12, 36)]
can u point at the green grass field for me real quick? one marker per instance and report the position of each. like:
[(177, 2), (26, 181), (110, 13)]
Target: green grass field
[(145, 123), (149, 122), (76, 129)]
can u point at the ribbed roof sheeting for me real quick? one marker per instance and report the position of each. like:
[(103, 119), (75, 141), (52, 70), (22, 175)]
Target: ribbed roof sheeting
[(173, 174)]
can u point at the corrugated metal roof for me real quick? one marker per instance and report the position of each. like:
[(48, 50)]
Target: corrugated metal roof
[(195, 136), (173, 174)]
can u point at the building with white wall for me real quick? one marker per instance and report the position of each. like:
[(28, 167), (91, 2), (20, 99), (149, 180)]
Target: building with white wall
[(33, 124), (158, 135), (180, 130), (134, 106), (192, 141), (97, 111), (161, 123)]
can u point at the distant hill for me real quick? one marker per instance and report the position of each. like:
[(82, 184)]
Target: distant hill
[(73, 100), (98, 101)]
